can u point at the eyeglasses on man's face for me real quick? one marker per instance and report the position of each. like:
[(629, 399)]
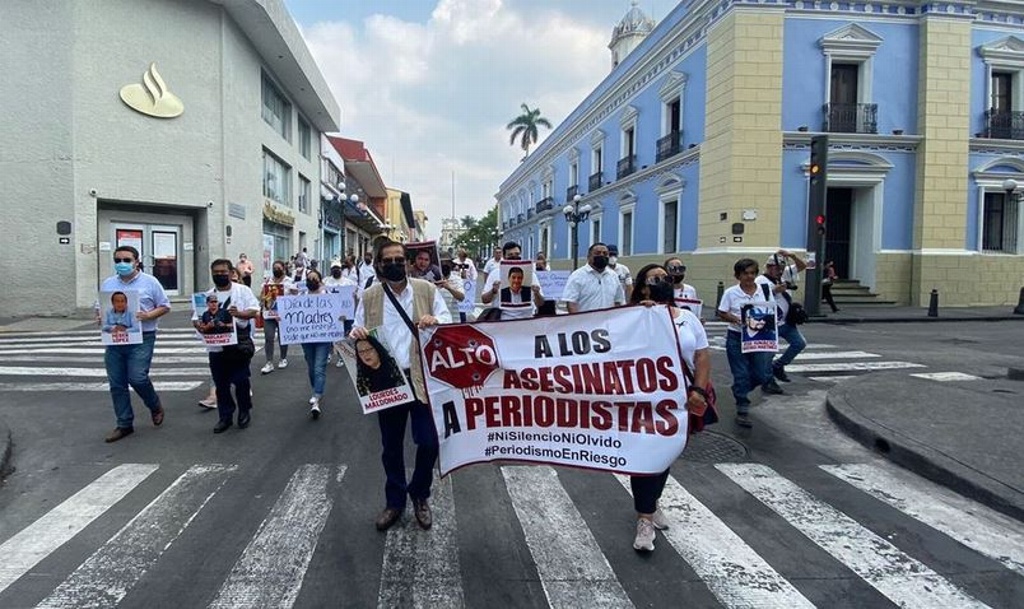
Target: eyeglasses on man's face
[(396, 260), (129, 260)]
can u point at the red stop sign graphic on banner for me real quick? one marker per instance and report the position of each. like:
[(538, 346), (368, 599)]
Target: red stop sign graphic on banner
[(461, 356)]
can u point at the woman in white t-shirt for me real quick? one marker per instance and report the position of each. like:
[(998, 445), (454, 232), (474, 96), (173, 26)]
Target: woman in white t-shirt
[(748, 369), (652, 286)]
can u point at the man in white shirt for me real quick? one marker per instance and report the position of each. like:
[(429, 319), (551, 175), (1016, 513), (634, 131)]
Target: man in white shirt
[(782, 279), (594, 286), (230, 365), (423, 306), (366, 271), (128, 365), (510, 251), (492, 262), (464, 265), (625, 277)]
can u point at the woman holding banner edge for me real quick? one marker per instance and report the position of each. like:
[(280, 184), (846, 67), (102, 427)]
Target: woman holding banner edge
[(653, 286)]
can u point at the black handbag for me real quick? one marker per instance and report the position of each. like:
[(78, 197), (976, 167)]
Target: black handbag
[(797, 314)]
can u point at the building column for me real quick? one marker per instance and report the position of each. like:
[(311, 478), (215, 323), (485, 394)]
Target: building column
[(940, 204)]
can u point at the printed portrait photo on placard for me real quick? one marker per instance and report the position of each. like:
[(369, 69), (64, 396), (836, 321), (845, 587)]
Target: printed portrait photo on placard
[(118, 322), (378, 380), (516, 284), (424, 260)]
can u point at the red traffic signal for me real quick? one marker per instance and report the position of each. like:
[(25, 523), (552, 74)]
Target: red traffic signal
[(820, 221)]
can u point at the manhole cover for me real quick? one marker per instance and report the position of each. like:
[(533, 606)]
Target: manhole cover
[(958, 341), (711, 447)]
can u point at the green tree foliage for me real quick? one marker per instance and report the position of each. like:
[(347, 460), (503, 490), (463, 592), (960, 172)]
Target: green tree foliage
[(480, 235), (524, 128)]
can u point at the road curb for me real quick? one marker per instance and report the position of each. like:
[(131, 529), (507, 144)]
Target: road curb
[(6, 451), (903, 320), (920, 458)]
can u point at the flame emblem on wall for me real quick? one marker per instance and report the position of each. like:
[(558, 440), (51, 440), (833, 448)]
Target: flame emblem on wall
[(152, 97)]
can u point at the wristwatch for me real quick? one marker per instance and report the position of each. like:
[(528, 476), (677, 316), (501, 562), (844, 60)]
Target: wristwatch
[(699, 391)]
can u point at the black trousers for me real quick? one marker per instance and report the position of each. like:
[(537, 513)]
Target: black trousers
[(646, 491), (826, 293), (231, 368)]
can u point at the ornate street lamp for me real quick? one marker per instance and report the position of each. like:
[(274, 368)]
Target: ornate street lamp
[(574, 214)]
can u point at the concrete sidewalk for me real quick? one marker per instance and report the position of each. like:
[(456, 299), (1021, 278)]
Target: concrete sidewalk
[(886, 314), (966, 435)]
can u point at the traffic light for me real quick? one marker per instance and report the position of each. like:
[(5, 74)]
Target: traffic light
[(817, 173), (819, 221)]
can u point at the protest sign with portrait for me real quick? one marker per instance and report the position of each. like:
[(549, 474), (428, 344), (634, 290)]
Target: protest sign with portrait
[(602, 390), (516, 284), (216, 326), (378, 380), (269, 294), (758, 328), (118, 322), (424, 260), (310, 318)]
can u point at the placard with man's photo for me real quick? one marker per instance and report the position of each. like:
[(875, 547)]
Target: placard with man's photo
[(119, 322), (516, 291), (424, 260)]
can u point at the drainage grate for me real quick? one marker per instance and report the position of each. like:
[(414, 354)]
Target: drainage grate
[(711, 447)]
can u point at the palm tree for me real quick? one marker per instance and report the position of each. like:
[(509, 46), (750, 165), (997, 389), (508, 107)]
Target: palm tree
[(525, 126)]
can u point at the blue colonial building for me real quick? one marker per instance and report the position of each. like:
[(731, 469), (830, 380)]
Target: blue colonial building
[(697, 144)]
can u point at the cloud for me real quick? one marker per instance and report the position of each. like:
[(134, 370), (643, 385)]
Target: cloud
[(434, 97)]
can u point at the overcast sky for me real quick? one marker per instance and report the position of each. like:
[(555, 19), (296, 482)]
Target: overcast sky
[(429, 85)]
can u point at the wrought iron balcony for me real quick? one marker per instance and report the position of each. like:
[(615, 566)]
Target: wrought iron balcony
[(545, 204), (529, 213), (625, 167), (1004, 124), (595, 181), (520, 218), (670, 145), (851, 118), (571, 192)]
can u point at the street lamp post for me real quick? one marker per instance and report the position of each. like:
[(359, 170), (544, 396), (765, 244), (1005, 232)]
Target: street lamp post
[(1015, 192), (342, 198), (574, 214)]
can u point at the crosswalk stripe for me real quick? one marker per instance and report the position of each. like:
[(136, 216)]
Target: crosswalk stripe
[(98, 347), (849, 366), (830, 379), (33, 543), (901, 578), (92, 330), (422, 570), (98, 359), (41, 371), (158, 385), (98, 350), (572, 569), (109, 574), (271, 569), (978, 527), (945, 377), (732, 570), (835, 355)]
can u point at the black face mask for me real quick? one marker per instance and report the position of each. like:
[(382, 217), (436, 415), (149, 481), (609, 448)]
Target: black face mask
[(222, 281), (677, 279), (313, 285), (516, 257), (446, 270), (661, 292), (393, 272), (279, 273), (336, 273), (600, 262)]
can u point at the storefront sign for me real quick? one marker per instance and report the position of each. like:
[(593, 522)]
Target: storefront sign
[(275, 214)]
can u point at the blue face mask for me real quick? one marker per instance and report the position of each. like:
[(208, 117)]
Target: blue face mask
[(124, 268)]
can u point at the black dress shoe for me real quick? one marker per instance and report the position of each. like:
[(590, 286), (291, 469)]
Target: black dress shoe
[(244, 419), (422, 512), (221, 426), (772, 388), (387, 518), (780, 373)]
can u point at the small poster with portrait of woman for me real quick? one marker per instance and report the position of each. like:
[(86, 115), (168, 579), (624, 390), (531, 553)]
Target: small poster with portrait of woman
[(378, 380), (119, 324)]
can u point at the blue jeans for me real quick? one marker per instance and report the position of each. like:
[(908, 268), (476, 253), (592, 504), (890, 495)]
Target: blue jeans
[(316, 365), (392, 439), (791, 334), (129, 365), (748, 370)]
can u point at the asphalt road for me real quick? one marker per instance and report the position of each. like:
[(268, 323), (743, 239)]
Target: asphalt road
[(790, 513)]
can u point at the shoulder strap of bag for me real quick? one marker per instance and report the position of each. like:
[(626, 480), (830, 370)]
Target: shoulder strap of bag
[(401, 310), (767, 292)]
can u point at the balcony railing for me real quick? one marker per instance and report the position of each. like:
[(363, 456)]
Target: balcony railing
[(670, 145), (625, 167), (520, 218), (851, 118), (1004, 124), (545, 204), (529, 213), (571, 192), (595, 181)]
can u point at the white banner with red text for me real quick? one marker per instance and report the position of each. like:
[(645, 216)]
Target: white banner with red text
[(602, 390)]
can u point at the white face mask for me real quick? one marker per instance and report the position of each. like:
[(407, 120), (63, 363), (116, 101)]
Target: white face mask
[(613, 260)]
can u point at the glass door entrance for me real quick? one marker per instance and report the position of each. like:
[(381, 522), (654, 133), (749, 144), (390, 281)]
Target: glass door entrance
[(159, 249)]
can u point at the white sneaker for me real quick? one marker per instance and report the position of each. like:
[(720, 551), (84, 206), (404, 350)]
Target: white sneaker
[(659, 520), (340, 364), (315, 410), (645, 534), (313, 400), (283, 363), (267, 368), (328, 359)]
